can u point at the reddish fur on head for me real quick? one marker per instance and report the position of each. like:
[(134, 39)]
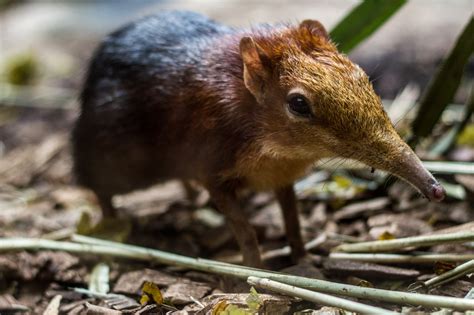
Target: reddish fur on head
[(196, 100), (347, 117)]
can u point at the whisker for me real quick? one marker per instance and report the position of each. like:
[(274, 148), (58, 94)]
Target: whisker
[(404, 116)]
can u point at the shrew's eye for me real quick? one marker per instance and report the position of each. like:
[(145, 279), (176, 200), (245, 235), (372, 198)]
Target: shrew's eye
[(298, 105)]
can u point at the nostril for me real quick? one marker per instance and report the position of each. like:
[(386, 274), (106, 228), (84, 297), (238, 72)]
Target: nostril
[(438, 192)]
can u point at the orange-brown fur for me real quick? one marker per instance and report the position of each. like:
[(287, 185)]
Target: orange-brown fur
[(180, 96), (345, 105)]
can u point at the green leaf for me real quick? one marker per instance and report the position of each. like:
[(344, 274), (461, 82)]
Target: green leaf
[(444, 84), (362, 21), (253, 300)]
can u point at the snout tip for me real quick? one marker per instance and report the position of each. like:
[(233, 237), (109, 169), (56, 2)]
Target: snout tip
[(437, 192)]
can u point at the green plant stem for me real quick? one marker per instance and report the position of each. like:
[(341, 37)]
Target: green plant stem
[(414, 241), (440, 167), (466, 168), (317, 297), (401, 259), (145, 254), (451, 275)]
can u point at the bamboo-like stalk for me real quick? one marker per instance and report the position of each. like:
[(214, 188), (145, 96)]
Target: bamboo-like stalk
[(95, 241), (443, 167), (145, 254), (400, 243), (253, 271), (401, 259), (316, 297), (451, 275), (286, 250), (439, 167)]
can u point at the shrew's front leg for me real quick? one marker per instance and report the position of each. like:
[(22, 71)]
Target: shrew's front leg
[(228, 204), (287, 199)]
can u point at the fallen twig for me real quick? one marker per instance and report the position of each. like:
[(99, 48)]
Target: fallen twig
[(146, 254), (414, 241), (401, 259), (286, 250), (450, 275), (316, 297), (439, 167)]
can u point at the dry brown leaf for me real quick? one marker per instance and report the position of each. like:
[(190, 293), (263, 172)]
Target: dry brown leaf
[(269, 304), (53, 306), (100, 310), (131, 282), (368, 270), (9, 304), (185, 291), (365, 207)]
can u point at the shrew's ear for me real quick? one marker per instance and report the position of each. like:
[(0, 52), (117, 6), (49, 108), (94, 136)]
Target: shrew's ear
[(315, 28), (256, 70)]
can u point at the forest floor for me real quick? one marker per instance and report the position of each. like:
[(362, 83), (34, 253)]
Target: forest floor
[(38, 199)]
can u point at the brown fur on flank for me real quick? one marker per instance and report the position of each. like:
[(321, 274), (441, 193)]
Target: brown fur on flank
[(179, 96)]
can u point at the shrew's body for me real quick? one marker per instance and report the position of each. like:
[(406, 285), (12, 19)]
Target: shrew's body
[(177, 95)]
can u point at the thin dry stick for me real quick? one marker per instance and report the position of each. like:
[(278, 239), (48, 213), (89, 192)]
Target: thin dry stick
[(415, 241), (451, 275), (317, 297), (445, 167), (401, 259), (145, 254), (441, 167), (286, 250), (289, 279)]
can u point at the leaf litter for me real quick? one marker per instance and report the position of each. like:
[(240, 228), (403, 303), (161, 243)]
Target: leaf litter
[(39, 199)]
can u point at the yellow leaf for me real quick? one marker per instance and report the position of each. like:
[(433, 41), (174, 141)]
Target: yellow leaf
[(144, 299), (115, 229), (385, 236), (151, 290), (235, 310), (467, 136), (21, 69), (365, 284), (342, 181), (84, 225), (433, 219), (224, 308), (219, 308)]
